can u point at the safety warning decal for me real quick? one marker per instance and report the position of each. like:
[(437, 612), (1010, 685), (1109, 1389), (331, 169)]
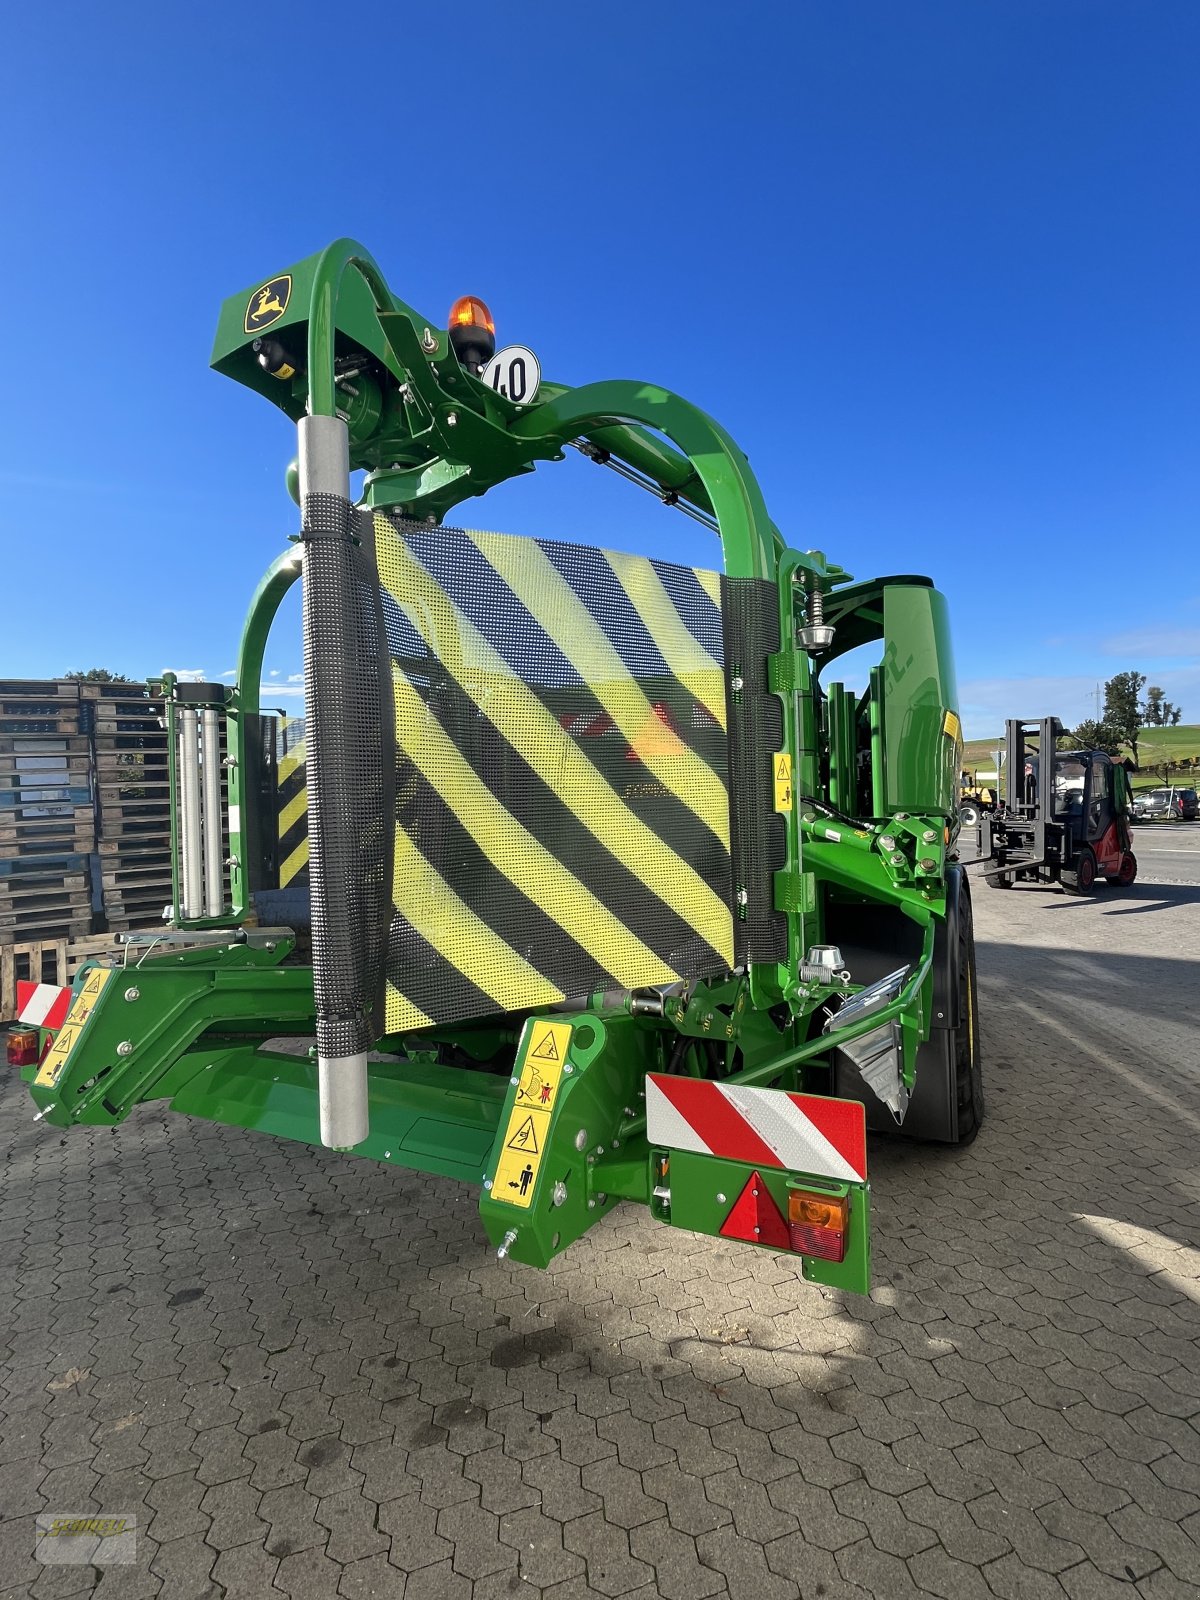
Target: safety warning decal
[(82, 1007), (528, 1129), (781, 768)]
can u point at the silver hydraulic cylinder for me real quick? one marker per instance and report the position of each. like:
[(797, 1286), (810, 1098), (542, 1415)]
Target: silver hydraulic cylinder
[(210, 771), (191, 823)]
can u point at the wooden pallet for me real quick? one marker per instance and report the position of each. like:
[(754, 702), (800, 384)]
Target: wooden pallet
[(38, 689), (20, 829), (52, 877), (114, 691), (44, 744), (151, 841), (130, 823), (36, 719), (63, 926)]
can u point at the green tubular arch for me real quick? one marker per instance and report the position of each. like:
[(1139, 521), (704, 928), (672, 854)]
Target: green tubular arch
[(749, 540)]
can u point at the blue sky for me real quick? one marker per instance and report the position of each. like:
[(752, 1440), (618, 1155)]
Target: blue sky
[(933, 264)]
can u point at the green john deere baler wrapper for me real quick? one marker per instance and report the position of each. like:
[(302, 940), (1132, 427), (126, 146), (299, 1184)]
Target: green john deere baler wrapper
[(578, 882)]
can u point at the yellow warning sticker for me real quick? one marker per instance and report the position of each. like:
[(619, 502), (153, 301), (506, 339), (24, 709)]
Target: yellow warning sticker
[(82, 1006), (952, 726), (782, 769), (528, 1130)]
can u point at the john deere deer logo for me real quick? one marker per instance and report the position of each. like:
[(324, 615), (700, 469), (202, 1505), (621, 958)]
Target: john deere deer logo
[(268, 304)]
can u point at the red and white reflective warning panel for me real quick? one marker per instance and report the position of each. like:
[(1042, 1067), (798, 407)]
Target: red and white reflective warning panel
[(42, 1005), (763, 1127)]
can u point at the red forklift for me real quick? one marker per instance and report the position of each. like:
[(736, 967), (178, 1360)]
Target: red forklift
[(1065, 816)]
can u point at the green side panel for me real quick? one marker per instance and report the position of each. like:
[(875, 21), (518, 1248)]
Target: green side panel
[(432, 1119), (232, 353), (705, 1188), (922, 754)]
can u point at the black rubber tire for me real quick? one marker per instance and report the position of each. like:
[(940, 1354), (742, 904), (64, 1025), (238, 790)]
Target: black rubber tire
[(968, 1060), (995, 880), (1128, 872), (968, 814), (1083, 879)]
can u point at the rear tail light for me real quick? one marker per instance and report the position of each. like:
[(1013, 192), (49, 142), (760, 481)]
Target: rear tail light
[(24, 1047), (818, 1223)]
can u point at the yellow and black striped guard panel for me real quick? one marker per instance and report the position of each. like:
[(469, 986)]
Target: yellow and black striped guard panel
[(562, 782), (292, 790)]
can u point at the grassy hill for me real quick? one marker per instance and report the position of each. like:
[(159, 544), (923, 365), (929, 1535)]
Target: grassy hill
[(1155, 745)]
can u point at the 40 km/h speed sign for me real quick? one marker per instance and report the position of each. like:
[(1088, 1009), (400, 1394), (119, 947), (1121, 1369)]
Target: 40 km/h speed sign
[(513, 372)]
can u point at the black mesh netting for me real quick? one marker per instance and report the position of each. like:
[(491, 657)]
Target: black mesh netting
[(350, 801), (562, 778)]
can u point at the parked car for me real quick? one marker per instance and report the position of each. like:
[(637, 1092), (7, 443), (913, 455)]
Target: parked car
[(1168, 805)]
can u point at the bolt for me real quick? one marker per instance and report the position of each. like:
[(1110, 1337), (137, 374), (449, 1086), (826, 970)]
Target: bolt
[(581, 1139), (591, 1203), (927, 864), (757, 1230), (270, 944), (510, 1238), (568, 1069), (229, 761), (720, 1199), (558, 1194), (133, 994), (428, 342), (387, 1155), (514, 1082), (898, 859), (616, 1144), (452, 419), (929, 836), (736, 685), (603, 1199), (487, 1183), (887, 842), (743, 898), (125, 1048)]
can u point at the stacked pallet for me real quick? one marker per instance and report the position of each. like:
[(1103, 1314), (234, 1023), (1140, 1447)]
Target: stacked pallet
[(127, 729), (47, 825)]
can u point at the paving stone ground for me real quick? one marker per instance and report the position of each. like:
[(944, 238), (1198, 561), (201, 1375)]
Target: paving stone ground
[(308, 1376)]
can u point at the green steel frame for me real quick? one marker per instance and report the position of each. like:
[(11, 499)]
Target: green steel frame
[(438, 437)]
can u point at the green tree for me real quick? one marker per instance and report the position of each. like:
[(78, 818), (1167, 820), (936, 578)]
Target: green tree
[(1122, 707), (1092, 735), (97, 675), (1158, 711)]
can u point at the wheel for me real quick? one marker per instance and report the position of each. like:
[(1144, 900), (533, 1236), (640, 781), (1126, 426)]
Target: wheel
[(968, 1060), (1127, 873), (1083, 879), (997, 880), (968, 814)]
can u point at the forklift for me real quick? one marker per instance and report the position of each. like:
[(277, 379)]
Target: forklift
[(1065, 817)]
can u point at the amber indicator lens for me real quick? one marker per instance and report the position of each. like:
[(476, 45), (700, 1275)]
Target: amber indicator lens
[(22, 1048), (818, 1223)]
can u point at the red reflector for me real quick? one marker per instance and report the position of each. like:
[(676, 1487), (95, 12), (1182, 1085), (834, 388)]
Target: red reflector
[(756, 1218), (22, 1050)]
